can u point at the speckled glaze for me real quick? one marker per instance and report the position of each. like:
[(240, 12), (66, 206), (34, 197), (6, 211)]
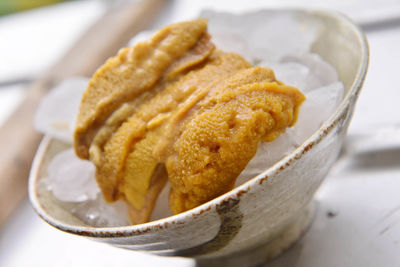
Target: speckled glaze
[(260, 218)]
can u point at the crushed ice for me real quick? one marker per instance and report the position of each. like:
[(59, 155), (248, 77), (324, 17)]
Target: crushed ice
[(97, 212), (58, 110), (72, 180)]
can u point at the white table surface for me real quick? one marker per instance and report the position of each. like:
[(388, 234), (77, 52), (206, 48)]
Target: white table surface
[(357, 222)]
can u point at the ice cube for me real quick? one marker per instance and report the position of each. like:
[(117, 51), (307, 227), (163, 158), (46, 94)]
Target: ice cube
[(292, 73), (318, 107), (98, 213), (70, 178), (320, 72), (268, 153), (57, 111), (270, 38)]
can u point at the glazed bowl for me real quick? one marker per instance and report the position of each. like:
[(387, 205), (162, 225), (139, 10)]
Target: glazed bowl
[(260, 218)]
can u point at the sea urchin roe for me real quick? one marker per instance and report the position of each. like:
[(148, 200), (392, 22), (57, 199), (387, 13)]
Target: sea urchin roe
[(128, 161), (173, 108), (220, 138), (133, 71)]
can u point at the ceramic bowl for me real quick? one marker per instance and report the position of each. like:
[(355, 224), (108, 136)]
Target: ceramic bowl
[(263, 216)]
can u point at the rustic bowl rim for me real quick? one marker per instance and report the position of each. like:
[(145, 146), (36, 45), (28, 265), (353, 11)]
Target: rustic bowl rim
[(237, 192)]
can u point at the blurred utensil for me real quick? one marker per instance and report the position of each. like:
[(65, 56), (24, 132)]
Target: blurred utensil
[(18, 139), (11, 82)]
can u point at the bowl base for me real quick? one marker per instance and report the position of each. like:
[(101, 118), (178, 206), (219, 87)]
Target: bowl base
[(282, 241)]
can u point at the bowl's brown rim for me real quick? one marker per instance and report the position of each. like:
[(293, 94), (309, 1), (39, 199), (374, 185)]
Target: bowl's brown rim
[(238, 192)]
